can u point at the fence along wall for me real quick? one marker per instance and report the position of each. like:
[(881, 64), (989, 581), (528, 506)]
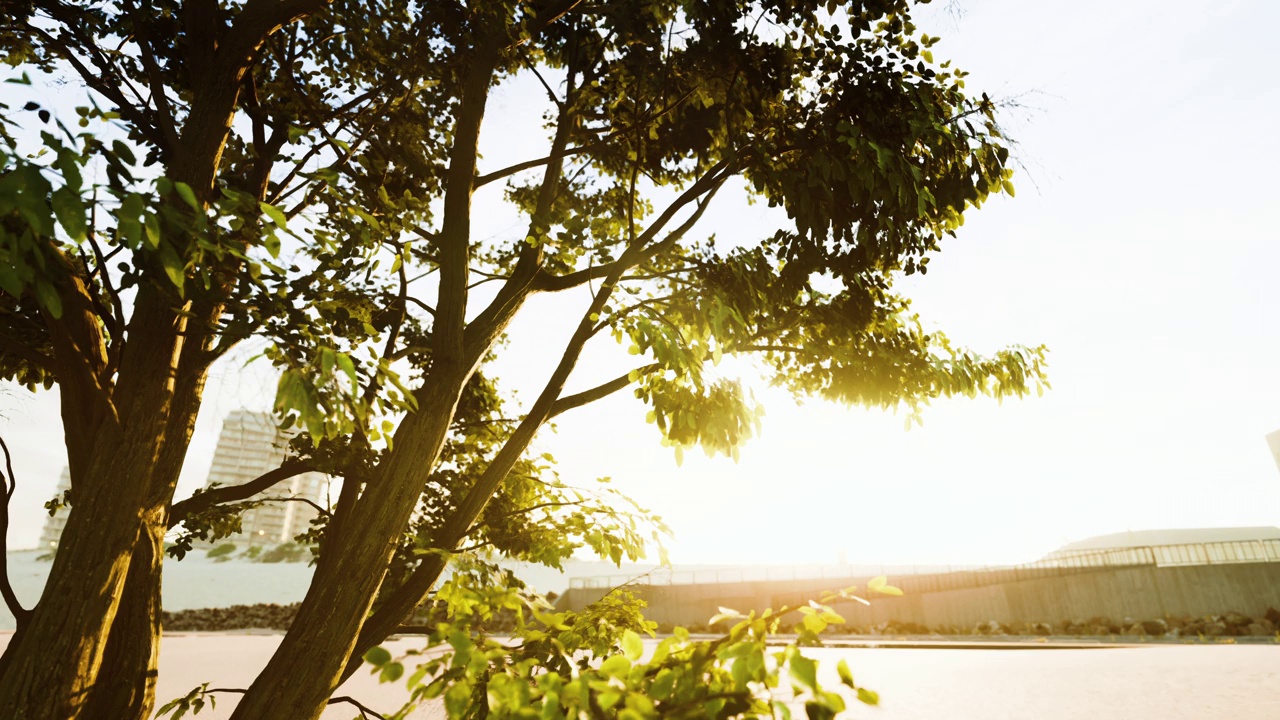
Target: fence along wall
[(1137, 582)]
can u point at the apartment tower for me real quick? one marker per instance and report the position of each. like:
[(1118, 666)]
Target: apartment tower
[(251, 444)]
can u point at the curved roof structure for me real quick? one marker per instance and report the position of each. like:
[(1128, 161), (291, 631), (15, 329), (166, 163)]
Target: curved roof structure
[(1184, 536)]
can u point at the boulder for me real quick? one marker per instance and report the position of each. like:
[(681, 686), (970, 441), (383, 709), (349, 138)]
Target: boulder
[(1259, 630), (1134, 630), (1216, 628), (1237, 620), (1155, 627), (1273, 615)]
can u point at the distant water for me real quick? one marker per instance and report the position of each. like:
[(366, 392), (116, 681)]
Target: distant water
[(198, 582), (194, 582)]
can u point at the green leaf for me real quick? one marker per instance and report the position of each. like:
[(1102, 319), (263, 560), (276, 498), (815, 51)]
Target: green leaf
[(276, 215), (347, 366), (187, 194), (662, 684), (632, 646), (1008, 187), (173, 265), (880, 584), (272, 244), (9, 280), (151, 224), (869, 697), (846, 675), (49, 298), (69, 208), (814, 624), (804, 671), (391, 672), (69, 165), (123, 152), (615, 666), (377, 656)]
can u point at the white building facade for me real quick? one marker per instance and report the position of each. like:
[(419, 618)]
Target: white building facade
[(249, 445)]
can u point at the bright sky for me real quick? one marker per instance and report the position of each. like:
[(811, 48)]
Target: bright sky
[(1140, 248)]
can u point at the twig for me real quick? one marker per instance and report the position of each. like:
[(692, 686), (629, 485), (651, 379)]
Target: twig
[(231, 493), (364, 711), (6, 588)]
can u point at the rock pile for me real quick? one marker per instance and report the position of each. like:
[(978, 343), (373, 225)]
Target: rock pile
[(1231, 624), (236, 617), (279, 617)]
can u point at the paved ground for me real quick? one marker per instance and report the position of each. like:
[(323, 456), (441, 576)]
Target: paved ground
[(1118, 682)]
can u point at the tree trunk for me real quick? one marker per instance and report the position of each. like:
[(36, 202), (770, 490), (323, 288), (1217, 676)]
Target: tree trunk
[(126, 686), (307, 666), (50, 669), (126, 690)]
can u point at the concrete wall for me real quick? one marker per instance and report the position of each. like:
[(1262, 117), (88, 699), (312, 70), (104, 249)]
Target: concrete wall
[(1140, 592)]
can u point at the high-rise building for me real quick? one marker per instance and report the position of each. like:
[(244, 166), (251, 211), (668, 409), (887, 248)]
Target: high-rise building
[(58, 520), (1273, 440), (251, 444)]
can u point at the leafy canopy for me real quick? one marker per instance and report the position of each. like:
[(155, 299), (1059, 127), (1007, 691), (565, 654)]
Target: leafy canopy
[(332, 232)]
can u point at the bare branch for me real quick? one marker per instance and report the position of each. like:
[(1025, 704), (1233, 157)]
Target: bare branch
[(6, 588), (598, 392), (430, 310), (364, 710), (540, 506), (298, 498), (483, 180), (233, 493), (454, 242), (641, 252), (166, 119)]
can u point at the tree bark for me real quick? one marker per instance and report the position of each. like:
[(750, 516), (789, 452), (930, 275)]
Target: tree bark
[(307, 666), (50, 669), (126, 689)]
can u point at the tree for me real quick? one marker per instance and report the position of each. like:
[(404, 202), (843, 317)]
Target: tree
[(300, 174)]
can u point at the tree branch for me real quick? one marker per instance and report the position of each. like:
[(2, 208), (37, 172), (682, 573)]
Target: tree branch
[(405, 598), (540, 506), (486, 327), (232, 493), (6, 588), (598, 392), (482, 180), (298, 498), (164, 111), (640, 252), (364, 711), (455, 233)]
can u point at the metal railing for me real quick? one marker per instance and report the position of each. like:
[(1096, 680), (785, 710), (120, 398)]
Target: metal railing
[(935, 578)]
